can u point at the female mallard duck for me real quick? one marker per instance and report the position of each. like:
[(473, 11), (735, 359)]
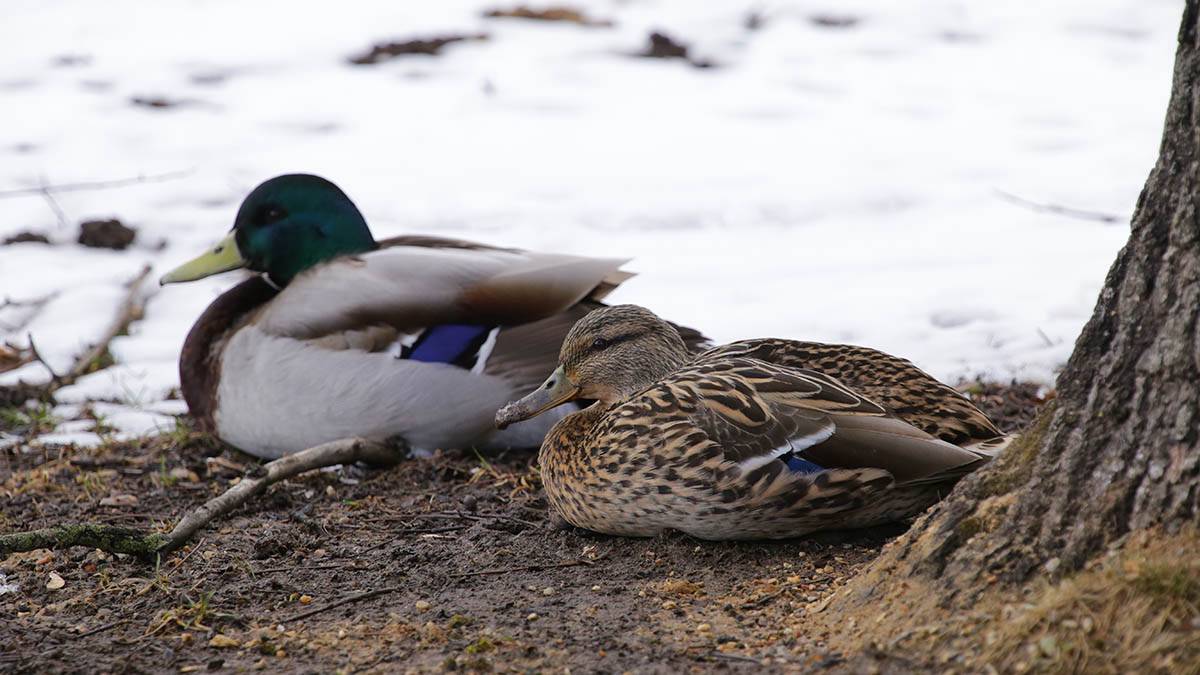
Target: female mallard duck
[(756, 439), (417, 339)]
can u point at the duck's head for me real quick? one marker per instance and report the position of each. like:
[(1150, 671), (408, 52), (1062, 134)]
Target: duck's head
[(285, 226), (609, 355)]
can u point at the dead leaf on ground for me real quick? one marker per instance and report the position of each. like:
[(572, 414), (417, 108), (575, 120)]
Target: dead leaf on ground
[(55, 582)]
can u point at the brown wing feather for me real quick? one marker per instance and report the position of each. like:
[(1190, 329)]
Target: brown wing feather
[(758, 411), (900, 387)]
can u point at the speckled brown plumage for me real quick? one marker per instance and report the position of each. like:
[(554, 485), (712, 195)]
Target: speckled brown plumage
[(895, 383), (701, 444)]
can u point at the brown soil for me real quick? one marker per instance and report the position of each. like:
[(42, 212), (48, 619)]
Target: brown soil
[(449, 563), (552, 14), (27, 237), (385, 51)]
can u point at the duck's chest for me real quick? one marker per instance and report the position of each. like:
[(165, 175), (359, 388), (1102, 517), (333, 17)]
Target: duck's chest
[(625, 478)]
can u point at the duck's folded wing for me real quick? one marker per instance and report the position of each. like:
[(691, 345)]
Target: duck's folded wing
[(411, 287), (759, 412), (903, 389)]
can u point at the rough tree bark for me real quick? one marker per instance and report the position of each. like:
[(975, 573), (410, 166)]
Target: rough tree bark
[(1120, 449)]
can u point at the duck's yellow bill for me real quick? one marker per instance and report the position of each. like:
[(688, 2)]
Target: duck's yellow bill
[(555, 391), (223, 257)]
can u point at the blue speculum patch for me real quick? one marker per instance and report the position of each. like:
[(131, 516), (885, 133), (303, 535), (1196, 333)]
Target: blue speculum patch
[(798, 465), (456, 344)]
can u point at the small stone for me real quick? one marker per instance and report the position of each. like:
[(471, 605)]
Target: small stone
[(669, 604), (55, 582), (280, 654), (548, 591), (305, 599), (704, 628), (532, 616), (595, 588), (423, 606)]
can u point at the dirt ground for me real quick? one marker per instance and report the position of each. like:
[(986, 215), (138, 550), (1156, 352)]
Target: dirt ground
[(450, 563)]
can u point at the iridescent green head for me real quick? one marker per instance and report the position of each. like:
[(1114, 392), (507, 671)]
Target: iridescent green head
[(285, 226)]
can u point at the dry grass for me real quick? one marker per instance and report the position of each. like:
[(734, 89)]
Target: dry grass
[(1137, 611)]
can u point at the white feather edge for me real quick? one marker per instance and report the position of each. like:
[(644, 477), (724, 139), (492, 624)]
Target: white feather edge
[(796, 444)]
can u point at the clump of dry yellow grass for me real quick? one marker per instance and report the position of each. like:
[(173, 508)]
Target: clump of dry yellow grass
[(1135, 611)]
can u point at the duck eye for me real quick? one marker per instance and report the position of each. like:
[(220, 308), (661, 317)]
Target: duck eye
[(600, 343), (270, 213)]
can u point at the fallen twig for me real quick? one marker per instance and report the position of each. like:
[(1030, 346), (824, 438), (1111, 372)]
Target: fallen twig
[(100, 629), (525, 568), (297, 568), (126, 540), (473, 516), (1058, 209), (110, 538), (129, 311), (94, 185), (733, 657), (346, 451), (343, 601), (37, 356)]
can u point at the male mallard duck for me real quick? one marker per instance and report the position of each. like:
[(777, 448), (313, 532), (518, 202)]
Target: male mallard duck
[(756, 439), (418, 339)]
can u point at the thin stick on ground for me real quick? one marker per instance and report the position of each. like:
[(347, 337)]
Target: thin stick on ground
[(115, 539), (1058, 209), (344, 601), (129, 311), (525, 568), (93, 185), (345, 451)]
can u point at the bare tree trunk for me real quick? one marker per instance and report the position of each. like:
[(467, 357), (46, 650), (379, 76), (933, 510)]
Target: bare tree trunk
[(1120, 450)]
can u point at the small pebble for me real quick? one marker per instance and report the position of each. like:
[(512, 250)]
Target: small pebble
[(595, 588), (547, 591), (532, 616), (423, 606)]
